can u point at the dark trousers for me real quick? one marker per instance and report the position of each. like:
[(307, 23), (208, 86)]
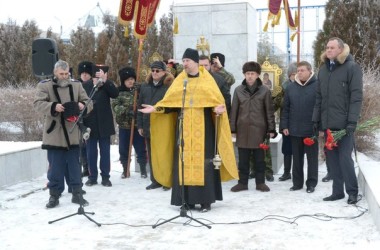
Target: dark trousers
[(259, 161), (60, 162), (138, 144), (152, 179), (286, 149), (105, 157), (342, 168), (299, 149)]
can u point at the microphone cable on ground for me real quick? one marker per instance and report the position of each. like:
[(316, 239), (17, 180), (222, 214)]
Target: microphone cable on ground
[(289, 220)]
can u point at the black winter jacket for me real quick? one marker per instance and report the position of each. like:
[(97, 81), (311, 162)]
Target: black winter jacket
[(151, 94), (100, 120), (339, 92), (298, 106)]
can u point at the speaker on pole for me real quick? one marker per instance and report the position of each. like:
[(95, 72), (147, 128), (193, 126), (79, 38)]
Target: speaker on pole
[(44, 57)]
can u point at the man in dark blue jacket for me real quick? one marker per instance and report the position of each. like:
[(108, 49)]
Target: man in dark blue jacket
[(296, 122), (337, 107)]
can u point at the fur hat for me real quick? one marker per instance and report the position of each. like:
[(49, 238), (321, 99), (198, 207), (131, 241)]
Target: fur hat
[(191, 54), (87, 67), (221, 57), (158, 65), (292, 69), (252, 66), (71, 112), (126, 73)]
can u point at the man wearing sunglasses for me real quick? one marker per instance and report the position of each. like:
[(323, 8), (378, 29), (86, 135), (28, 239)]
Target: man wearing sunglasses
[(151, 92)]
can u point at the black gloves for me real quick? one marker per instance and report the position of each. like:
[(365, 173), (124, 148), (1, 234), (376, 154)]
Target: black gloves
[(350, 128), (274, 132)]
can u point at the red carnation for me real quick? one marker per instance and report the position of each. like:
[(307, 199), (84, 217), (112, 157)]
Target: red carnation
[(265, 145), (309, 141)]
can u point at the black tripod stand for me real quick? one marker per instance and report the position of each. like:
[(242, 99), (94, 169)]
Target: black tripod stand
[(85, 134), (80, 212), (180, 144)]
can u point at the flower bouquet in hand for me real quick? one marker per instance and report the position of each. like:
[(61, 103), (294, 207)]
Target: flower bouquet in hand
[(334, 136), (265, 144)]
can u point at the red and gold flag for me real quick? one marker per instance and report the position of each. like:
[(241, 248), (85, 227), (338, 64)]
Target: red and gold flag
[(126, 11), (141, 12), (274, 14)]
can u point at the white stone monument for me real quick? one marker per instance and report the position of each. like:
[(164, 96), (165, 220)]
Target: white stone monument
[(228, 27)]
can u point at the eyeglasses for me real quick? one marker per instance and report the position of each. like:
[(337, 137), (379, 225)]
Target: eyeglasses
[(156, 70)]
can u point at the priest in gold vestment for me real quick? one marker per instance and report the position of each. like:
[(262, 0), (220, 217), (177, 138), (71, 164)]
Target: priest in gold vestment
[(203, 107)]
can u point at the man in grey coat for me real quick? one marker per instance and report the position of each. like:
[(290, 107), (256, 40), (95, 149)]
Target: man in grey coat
[(338, 105), (60, 100)]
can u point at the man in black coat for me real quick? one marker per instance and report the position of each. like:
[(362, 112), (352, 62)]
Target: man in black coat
[(101, 123), (157, 83), (337, 107), (296, 122)]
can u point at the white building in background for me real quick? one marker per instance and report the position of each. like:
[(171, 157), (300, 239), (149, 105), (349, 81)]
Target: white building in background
[(92, 19)]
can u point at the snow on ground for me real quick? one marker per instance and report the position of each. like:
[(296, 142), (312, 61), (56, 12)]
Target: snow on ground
[(279, 219)]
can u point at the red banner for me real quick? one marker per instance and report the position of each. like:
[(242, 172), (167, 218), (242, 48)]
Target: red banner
[(141, 20), (142, 12), (152, 11), (274, 6), (274, 14), (126, 11), (289, 17)]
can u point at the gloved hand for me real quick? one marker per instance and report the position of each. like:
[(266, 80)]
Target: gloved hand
[(350, 128), (316, 129), (274, 134)]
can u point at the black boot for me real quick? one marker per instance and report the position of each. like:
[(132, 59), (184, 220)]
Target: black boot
[(106, 182), (287, 168), (285, 176), (78, 197), (143, 170), (53, 199), (124, 166), (85, 170), (327, 178)]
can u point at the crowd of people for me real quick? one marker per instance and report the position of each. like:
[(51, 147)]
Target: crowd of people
[(187, 108)]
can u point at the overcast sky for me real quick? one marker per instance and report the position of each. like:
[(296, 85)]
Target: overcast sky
[(55, 14)]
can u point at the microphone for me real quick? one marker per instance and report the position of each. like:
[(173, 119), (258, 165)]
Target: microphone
[(185, 83), (86, 134), (99, 83)]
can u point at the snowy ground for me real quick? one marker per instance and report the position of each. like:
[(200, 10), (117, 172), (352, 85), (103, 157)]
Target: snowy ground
[(279, 219)]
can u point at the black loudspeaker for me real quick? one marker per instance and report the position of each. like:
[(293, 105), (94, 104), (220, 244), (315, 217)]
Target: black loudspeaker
[(44, 57)]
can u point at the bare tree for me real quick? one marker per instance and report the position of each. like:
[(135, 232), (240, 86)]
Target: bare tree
[(82, 48), (165, 41), (15, 51)]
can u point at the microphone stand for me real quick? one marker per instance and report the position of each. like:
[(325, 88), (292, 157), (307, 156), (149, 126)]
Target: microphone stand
[(80, 117), (180, 143), (80, 212), (81, 126)]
